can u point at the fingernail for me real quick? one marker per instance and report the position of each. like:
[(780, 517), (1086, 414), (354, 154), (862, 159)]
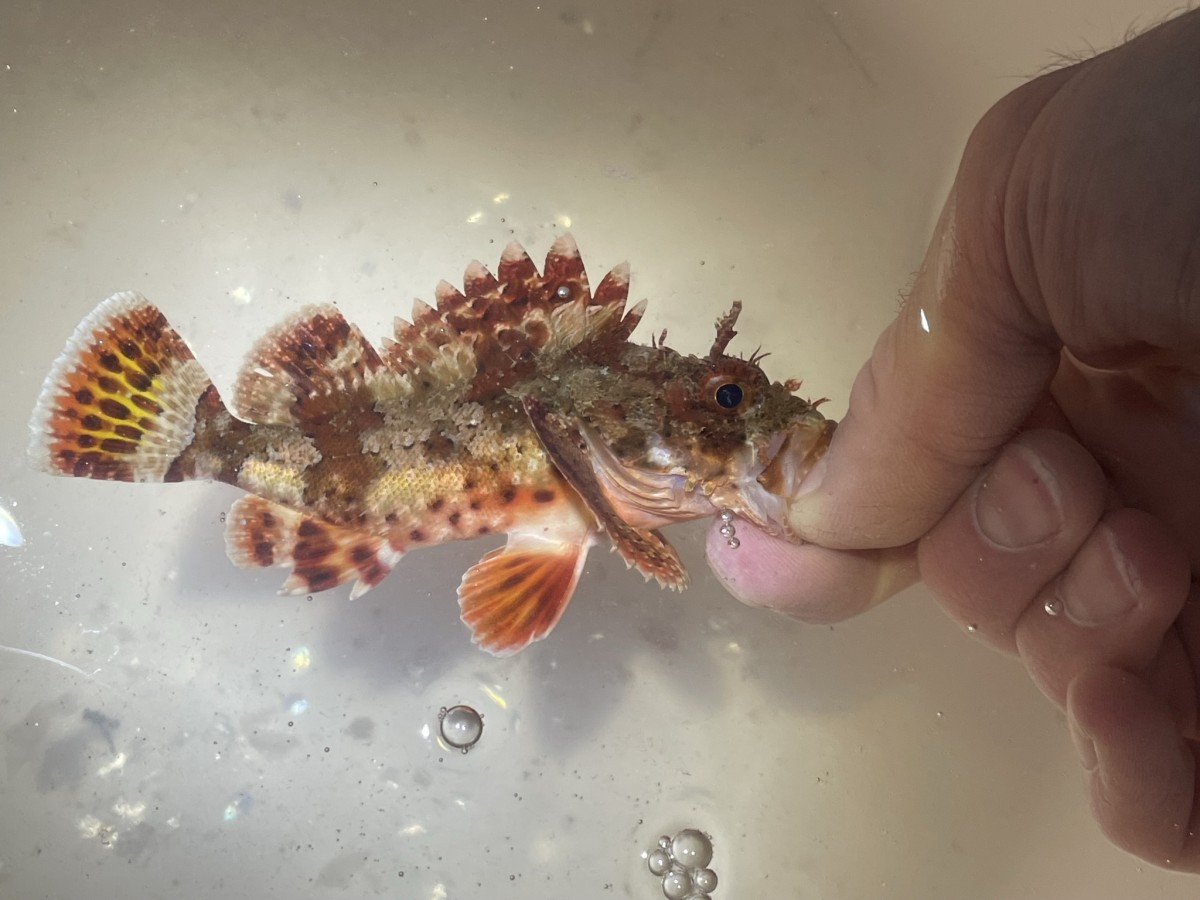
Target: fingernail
[(1100, 586), (1085, 747), (1017, 504)]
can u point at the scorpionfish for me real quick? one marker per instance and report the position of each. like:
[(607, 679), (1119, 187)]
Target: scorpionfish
[(518, 405)]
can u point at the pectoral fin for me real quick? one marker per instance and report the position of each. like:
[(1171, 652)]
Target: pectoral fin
[(643, 548), (515, 595)]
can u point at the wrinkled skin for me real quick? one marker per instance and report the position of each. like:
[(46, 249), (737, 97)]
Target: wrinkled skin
[(1042, 442)]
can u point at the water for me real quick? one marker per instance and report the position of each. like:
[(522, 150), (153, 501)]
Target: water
[(791, 155)]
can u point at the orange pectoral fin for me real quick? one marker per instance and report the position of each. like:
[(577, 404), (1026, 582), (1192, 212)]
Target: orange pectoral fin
[(322, 555), (515, 595)]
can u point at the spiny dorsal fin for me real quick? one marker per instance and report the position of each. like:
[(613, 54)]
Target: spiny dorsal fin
[(514, 323), (313, 355)]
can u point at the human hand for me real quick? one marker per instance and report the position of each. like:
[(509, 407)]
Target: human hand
[(1026, 434)]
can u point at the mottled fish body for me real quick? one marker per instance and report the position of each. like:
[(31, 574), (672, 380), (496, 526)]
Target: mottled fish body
[(517, 405)]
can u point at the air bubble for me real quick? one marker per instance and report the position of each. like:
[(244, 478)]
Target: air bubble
[(677, 885), (728, 531), (692, 848), (563, 292), (1053, 606), (659, 862), (460, 726), (705, 880)]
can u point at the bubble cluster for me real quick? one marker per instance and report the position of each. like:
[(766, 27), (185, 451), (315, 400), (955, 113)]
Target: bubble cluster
[(460, 726), (728, 531), (682, 863)]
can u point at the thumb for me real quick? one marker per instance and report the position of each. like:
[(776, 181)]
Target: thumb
[(953, 377)]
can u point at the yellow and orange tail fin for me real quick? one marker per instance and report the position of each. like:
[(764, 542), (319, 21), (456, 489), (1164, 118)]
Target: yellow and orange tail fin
[(121, 402)]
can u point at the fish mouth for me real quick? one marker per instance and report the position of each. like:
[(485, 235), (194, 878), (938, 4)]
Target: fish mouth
[(763, 491)]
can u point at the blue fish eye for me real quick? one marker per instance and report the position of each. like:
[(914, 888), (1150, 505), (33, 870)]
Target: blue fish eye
[(729, 395)]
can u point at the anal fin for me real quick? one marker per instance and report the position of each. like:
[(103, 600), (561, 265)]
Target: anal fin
[(322, 555), (516, 594)]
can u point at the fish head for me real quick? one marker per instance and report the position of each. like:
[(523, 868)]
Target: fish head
[(674, 437)]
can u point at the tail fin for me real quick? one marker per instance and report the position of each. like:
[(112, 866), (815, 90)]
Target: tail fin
[(121, 402)]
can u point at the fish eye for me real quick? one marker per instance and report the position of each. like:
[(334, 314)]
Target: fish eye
[(728, 395), (730, 388)]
